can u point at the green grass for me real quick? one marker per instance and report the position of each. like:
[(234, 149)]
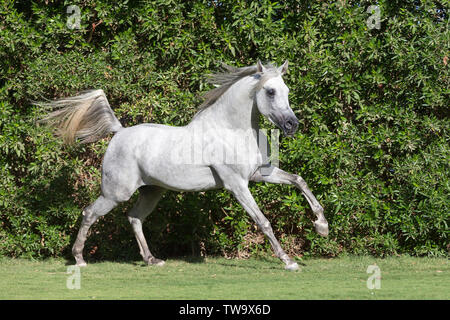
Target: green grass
[(219, 278)]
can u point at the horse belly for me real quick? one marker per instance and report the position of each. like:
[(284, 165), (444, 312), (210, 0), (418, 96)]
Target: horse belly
[(183, 178)]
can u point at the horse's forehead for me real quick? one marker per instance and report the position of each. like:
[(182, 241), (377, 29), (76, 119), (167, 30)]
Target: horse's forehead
[(276, 82)]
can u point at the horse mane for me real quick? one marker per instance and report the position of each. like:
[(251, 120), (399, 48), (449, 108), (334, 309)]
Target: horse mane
[(229, 76)]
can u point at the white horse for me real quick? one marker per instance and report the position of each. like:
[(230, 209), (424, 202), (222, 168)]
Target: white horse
[(152, 157)]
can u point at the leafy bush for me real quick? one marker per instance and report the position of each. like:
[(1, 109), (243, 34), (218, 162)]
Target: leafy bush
[(373, 143)]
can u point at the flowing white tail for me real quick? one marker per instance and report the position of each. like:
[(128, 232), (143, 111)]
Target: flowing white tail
[(86, 117)]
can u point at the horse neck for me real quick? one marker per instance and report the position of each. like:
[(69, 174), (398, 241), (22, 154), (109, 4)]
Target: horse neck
[(235, 109)]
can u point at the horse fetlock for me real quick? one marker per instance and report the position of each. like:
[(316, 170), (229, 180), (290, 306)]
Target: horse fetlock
[(81, 264), (321, 227), (318, 210), (155, 262), (79, 261), (292, 266)]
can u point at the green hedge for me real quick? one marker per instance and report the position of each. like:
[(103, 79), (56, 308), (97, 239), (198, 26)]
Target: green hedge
[(373, 142)]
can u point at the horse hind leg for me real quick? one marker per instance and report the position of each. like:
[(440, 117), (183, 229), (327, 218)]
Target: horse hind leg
[(98, 208), (149, 197)]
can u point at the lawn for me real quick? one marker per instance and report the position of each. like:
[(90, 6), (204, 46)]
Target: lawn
[(219, 278)]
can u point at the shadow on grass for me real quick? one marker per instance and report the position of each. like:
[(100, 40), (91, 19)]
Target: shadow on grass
[(270, 263), (134, 261)]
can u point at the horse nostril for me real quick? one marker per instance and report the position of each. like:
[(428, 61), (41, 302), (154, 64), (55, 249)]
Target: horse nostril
[(288, 124)]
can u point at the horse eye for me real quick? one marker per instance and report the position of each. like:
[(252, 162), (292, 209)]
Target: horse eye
[(270, 92)]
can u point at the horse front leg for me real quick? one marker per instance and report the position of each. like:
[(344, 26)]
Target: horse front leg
[(279, 176), (245, 198), (238, 186)]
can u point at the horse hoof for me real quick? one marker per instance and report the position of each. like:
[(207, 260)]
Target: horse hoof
[(321, 228), (81, 264), (155, 262), (292, 266)]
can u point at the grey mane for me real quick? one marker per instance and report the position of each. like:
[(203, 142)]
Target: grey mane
[(229, 76)]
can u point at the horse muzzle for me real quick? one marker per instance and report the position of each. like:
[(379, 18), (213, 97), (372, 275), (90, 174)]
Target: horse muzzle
[(286, 121), (290, 126)]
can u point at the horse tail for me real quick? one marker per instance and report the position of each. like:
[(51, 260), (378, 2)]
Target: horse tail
[(86, 117)]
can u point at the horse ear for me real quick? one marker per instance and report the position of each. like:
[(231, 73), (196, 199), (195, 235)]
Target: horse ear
[(260, 67), (283, 69)]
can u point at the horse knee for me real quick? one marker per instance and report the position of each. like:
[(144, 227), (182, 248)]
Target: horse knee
[(88, 218), (134, 221), (300, 182)]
